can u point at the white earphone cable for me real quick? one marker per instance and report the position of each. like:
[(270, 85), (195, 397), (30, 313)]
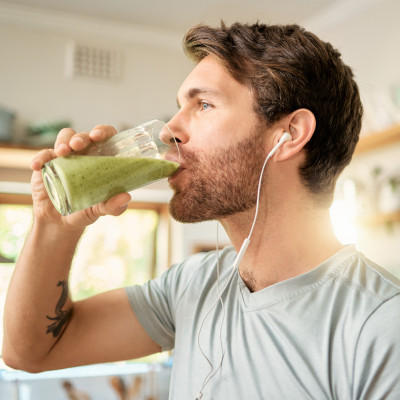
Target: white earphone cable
[(235, 269), (258, 199), (213, 371), (176, 143)]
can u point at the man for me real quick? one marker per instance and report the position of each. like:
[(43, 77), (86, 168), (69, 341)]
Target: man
[(305, 318)]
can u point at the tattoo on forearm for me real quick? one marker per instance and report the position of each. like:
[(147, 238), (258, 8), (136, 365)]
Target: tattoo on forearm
[(62, 316)]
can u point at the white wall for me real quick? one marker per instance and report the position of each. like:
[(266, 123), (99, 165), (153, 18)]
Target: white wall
[(367, 33), (33, 81)]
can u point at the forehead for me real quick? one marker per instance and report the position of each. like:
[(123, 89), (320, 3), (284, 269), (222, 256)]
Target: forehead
[(211, 75)]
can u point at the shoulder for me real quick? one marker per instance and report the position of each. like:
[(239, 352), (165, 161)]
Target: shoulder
[(372, 282), (201, 267), (367, 298), (377, 354), (196, 272), (383, 323), (377, 300)]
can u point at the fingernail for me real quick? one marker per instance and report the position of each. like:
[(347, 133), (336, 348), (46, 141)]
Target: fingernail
[(123, 208)]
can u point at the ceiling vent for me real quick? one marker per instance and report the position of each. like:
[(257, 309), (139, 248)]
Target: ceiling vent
[(89, 61)]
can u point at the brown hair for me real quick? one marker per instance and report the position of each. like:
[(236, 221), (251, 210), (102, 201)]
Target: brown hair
[(289, 68)]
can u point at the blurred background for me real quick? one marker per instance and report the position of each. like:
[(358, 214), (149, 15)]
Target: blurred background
[(87, 62)]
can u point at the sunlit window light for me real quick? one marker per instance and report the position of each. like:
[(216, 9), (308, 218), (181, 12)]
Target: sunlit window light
[(343, 214)]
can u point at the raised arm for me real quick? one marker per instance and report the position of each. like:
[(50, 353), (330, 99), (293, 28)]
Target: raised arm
[(43, 328)]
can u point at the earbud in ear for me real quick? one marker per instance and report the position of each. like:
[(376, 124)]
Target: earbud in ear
[(285, 137)]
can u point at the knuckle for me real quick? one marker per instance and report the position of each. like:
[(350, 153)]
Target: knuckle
[(99, 126), (105, 128), (82, 135), (98, 210), (46, 153), (66, 131), (43, 156)]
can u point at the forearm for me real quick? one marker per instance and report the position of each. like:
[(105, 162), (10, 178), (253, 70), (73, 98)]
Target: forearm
[(38, 307)]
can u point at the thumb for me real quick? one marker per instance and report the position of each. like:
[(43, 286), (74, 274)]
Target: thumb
[(116, 205), (119, 210)]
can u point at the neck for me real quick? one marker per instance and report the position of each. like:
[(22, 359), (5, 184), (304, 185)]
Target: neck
[(286, 241)]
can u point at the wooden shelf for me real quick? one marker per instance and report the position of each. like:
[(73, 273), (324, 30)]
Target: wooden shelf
[(377, 140), (379, 219), (14, 145), (12, 157)]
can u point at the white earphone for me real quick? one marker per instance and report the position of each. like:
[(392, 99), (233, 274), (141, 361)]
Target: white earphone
[(284, 138)]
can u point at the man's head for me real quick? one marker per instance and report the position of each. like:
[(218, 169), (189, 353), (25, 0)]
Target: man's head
[(222, 145), (287, 68)]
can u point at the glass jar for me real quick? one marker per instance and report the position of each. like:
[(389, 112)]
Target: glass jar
[(130, 159)]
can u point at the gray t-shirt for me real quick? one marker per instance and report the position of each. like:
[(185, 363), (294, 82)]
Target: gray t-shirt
[(331, 333)]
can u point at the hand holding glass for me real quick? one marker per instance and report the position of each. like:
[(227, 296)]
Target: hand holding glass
[(128, 160)]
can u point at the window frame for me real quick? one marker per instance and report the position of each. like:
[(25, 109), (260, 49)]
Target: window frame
[(161, 255)]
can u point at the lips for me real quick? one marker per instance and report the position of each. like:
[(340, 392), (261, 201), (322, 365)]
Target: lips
[(175, 175), (175, 158), (172, 157), (177, 172)]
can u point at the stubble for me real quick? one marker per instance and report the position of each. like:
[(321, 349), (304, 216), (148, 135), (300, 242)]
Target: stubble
[(221, 183)]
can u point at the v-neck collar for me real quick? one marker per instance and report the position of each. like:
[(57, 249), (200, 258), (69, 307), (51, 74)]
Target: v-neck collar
[(294, 286)]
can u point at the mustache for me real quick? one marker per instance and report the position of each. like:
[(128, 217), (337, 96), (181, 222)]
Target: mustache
[(184, 157)]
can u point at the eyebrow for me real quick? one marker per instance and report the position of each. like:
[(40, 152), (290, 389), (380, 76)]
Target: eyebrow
[(193, 92)]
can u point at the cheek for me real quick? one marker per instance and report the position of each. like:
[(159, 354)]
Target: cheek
[(236, 125), (220, 132)]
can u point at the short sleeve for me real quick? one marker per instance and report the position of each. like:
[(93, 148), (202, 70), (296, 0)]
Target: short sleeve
[(152, 305), (376, 372), (155, 302)]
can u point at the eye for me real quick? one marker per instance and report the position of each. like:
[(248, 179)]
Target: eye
[(204, 105)]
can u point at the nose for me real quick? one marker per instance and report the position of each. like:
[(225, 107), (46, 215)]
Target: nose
[(175, 130), (167, 136)]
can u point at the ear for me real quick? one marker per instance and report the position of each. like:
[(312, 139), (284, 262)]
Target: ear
[(301, 126)]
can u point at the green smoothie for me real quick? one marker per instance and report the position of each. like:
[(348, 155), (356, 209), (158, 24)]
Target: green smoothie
[(88, 180)]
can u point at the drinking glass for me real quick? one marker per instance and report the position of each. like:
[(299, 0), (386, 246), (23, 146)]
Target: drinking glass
[(128, 160)]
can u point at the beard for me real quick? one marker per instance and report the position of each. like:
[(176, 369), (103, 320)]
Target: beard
[(221, 183)]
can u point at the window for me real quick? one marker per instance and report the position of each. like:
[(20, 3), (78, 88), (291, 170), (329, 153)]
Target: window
[(113, 252), (15, 221)]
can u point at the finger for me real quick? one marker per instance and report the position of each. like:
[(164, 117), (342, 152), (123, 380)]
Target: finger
[(61, 146), (62, 150), (119, 211), (42, 158), (102, 132), (117, 204), (79, 141), (64, 136)]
